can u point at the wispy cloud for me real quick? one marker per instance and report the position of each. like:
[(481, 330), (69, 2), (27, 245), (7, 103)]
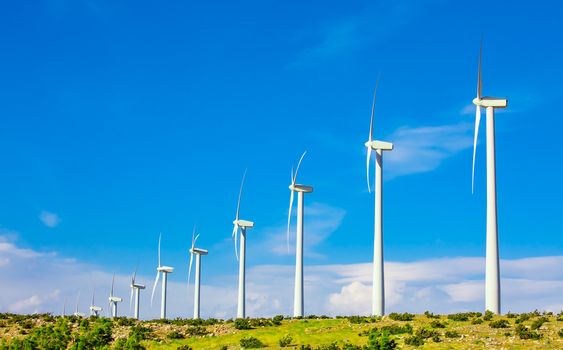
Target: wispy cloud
[(41, 282), (49, 219), (423, 149)]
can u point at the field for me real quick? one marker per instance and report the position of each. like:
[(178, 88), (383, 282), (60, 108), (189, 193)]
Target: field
[(400, 331)]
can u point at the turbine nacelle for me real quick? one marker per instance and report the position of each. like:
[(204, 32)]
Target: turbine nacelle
[(495, 102), (199, 251), (165, 269), (138, 286), (379, 145), (95, 309), (115, 299), (301, 188), (79, 314), (244, 223)]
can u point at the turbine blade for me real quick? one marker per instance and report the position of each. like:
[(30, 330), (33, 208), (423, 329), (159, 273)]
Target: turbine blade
[(240, 194), (154, 286), (134, 274), (131, 298), (477, 121), (190, 269), (373, 110), (112, 282), (367, 166), (159, 238), (93, 294), (234, 236), (479, 77), (298, 165), (289, 217)]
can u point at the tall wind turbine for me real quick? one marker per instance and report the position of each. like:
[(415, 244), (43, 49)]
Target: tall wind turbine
[(243, 225), (76, 313), (135, 293), (94, 310), (492, 272), (113, 300), (165, 270), (64, 308), (298, 303), (198, 253), (378, 291)]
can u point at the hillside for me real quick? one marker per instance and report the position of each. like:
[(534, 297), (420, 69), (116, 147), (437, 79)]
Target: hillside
[(401, 331)]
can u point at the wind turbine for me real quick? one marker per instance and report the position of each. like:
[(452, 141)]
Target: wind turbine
[(64, 307), (165, 270), (94, 310), (76, 313), (113, 300), (135, 292), (243, 225), (492, 272), (378, 291), (198, 253), (298, 303)]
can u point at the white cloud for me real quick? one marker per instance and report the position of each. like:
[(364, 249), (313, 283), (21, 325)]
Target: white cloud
[(49, 219), (39, 282), (423, 149)]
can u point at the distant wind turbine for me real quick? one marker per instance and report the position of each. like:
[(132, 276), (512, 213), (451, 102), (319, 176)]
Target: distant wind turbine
[(76, 313), (197, 288), (298, 302), (135, 293), (94, 310), (165, 270), (243, 225), (64, 307), (113, 300), (492, 272), (378, 291)]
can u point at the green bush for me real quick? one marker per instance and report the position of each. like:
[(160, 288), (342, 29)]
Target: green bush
[(305, 347), (175, 335), (285, 341), (539, 322), (401, 317), (251, 343), (463, 316), (560, 333), (523, 318), (277, 320), (426, 333), (196, 331), (184, 347), (511, 315), (437, 324), (488, 315), (525, 333), (477, 320), (428, 314), (242, 323), (389, 329), (414, 340), (451, 334), (362, 319), (502, 323), (380, 341)]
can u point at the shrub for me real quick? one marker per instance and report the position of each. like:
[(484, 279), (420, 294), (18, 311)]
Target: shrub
[(539, 322), (195, 331), (285, 341), (401, 317), (277, 320), (362, 319), (525, 333), (426, 333), (414, 340), (141, 332), (242, 323), (224, 347), (436, 338), (511, 315), (175, 335), (251, 343), (477, 321), (523, 318), (305, 347), (460, 317), (184, 347), (389, 329), (380, 341), (502, 323), (428, 314), (560, 333), (451, 334), (488, 315), (437, 324)]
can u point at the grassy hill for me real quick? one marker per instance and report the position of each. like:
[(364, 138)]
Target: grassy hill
[(400, 331)]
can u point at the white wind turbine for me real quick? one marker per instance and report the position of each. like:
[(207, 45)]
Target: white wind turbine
[(492, 272), (378, 291), (94, 310), (243, 225), (135, 293), (198, 253), (76, 313), (165, 270), (64, 307), (298, 303), (113, 300)]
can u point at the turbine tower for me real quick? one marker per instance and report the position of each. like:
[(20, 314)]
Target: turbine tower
[(94, 310), (113, 300), (135, 293), (165, 270), (243, 225), (76, 313), (298, 303), (378, 291), (492, 272), (198, 253)]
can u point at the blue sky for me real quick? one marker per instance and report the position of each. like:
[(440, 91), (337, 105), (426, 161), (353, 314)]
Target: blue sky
[(120, 120)]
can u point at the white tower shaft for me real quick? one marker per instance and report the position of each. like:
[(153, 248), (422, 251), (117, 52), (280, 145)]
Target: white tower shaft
[(137, 296), (241, 311), (163, 303), (492, 275), (298, 303), (114, 309), (197, 285), (378, 296)]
